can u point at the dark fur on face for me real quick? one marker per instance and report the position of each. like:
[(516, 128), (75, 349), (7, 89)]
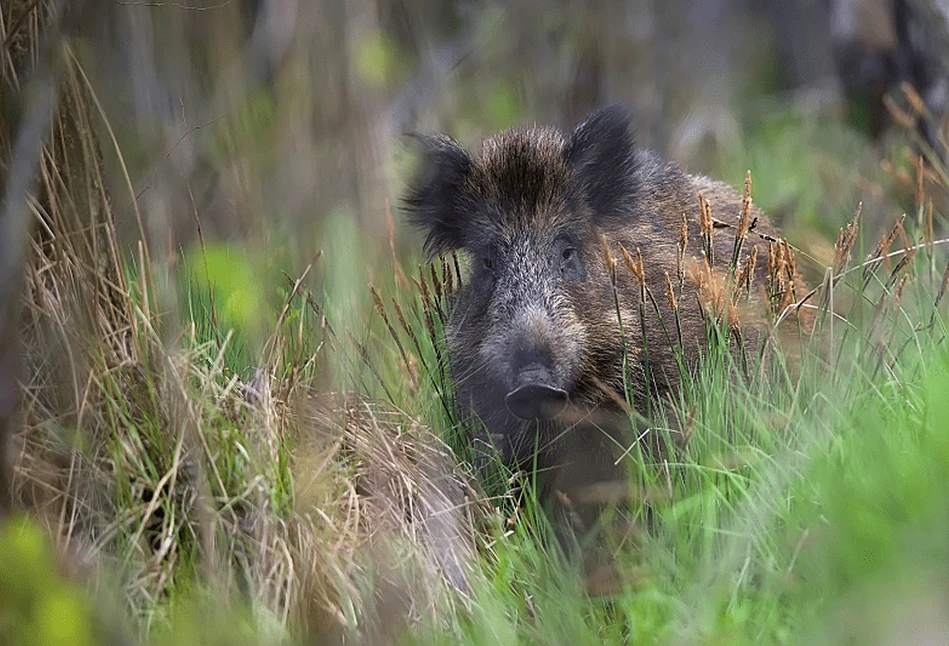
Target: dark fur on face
[(535, 325), (523, 176), (527, 211)]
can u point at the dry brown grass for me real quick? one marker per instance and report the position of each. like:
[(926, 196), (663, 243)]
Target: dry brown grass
[(122, 451), (152, 465)]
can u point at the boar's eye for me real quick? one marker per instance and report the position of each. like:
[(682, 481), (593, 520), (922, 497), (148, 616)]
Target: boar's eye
[(488, 264), (570, 266)]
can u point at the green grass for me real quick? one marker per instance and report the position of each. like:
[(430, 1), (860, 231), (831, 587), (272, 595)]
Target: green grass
[(220, 446), (808, 508), (799, 515)]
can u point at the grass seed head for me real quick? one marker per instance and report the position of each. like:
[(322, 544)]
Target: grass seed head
[(635, 266), (744, 215), (846, 239), (670, 294), (608, 257), (915, 101), (943, 286)]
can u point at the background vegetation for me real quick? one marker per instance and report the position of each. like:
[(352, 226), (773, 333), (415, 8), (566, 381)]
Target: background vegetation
[(235, 423)]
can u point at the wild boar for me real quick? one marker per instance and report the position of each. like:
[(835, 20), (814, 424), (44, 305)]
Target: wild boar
[(564, 236)]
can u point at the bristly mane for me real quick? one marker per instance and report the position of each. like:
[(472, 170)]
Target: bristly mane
[(526, 174), (522, 173)]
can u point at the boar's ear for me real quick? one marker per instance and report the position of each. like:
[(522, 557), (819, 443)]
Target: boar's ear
[(435, 202), (601, 152)]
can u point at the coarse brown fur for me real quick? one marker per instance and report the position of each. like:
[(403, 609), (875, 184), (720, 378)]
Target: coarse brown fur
[(545, 220)]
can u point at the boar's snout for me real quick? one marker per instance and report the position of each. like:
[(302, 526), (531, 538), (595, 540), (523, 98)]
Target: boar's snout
[(536, 394), (536, 401)]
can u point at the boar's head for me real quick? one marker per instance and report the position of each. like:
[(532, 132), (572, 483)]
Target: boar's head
[(528, 212)]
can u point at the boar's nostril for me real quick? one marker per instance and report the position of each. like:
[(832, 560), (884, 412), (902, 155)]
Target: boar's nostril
[(536, 401), (536, 393)]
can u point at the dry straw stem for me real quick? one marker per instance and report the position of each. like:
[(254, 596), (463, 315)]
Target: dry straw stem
[(433, 371), (711, 290), (454, 263), (903, 262), (610, 261), (30, 53), (608, 257), (846, 239), (743, 221), (880, 253), (909, 122), (428, 306), (270, 347), (436, 282), (915, 101), (681, 247), (635, 267), (790, 268), (898, 294), (707, 228), (132, 374), (306, 567), (674, 306), (408, 363), (893, 254), (862, 267), (734, 320), (400, 315), (944, 284), (670, 294), (380, 308), (407, 482), (778, 287), (745, 275), (750, 268), (437, 288), (900, 116), (684, 234), (874, 259), (367, 361), (449, 279)]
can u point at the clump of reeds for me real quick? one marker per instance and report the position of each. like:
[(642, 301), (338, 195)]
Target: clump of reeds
[(429, 308), (720, 292)]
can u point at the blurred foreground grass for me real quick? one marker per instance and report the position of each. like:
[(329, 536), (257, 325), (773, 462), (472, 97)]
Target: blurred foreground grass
[(222, 443)]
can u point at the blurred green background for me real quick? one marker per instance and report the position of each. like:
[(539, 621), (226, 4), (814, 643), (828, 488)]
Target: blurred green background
[(265, 120), (252, 162)]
